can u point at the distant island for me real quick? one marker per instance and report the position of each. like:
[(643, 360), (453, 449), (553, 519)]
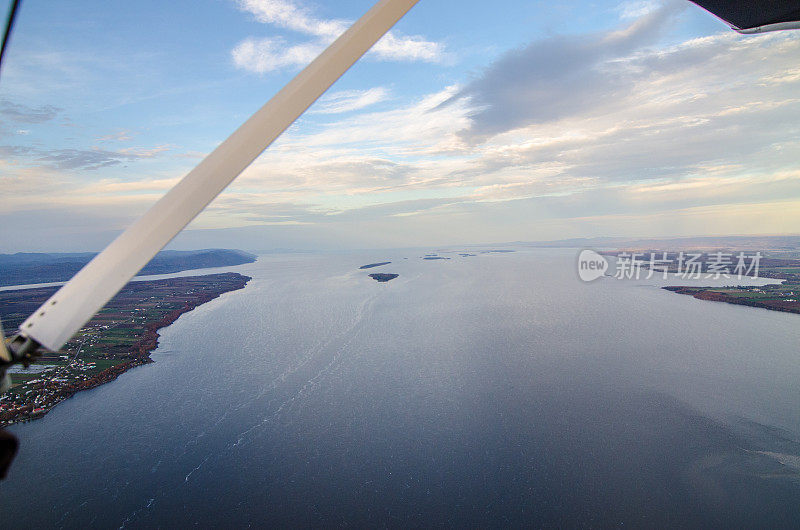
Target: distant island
[(374, 265), (119, 337), (33, 267), (383, 277)]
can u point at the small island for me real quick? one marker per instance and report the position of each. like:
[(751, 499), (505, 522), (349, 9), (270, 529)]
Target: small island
[(371, 265), (120, 337), (383, 277)]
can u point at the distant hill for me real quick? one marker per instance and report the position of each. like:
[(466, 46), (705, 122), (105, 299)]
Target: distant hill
[(788, 243), (33, 267)]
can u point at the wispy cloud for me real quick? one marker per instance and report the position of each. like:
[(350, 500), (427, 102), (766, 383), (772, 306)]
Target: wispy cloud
[(263, 55), (350, 100), (121, 135), (145, 152), (287, 14), (75, 159), (19, 113), (272, 53), (80, 159), (636, 8)]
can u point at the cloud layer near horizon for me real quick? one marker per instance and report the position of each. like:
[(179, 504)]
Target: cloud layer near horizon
[(596, 134)]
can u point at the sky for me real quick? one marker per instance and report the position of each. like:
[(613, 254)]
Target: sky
[(471, 122)]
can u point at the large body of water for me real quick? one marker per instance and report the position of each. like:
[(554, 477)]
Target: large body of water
[(476, 391)]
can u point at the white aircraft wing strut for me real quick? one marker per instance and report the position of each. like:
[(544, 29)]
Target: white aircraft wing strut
[(93, 286)]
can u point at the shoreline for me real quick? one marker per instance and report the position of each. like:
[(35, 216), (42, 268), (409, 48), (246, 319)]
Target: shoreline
[(783, 295), (711, 295)]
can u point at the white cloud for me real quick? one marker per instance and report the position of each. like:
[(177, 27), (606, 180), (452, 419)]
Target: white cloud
[(268, 54), (350, 100), (655, 130), (287, 14), (401, 48)]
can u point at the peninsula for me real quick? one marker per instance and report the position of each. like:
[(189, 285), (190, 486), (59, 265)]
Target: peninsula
[(778, 265), (783, 296), (33, 267), (119, 337)]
